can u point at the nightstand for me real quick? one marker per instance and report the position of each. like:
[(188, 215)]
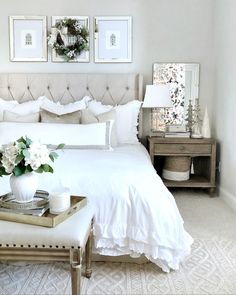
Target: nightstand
[(202, 152)]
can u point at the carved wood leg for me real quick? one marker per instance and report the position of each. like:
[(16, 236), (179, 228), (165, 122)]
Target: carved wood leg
[(75, 267), (75, 279), (88, 256), (212, 192)]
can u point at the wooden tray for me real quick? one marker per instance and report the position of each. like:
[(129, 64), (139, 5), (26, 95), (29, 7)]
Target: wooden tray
[(47, 219)]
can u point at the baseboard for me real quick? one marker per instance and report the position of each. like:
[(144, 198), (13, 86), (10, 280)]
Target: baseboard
[(228, 198)]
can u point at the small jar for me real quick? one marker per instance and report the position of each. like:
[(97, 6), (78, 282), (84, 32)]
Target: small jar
[(59, 202)]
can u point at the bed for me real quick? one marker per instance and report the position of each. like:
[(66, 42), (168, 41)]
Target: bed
[(135, 212)]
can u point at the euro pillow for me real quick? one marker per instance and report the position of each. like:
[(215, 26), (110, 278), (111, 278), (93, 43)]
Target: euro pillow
[(62, 109), (96, 107), (6, 105), (28, 107), (88, 118), (71, 118), (9, 116), (79, 136)]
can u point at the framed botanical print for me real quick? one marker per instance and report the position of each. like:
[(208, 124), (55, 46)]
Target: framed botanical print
[(69, 39), (28, 38), (113, 39)]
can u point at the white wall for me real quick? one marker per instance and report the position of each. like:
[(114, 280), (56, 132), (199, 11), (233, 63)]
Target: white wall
[(163, 30), (225, 95)]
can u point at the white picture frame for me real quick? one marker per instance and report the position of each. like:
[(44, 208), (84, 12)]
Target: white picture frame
[(28, 38), (112, 39), (85, 56)]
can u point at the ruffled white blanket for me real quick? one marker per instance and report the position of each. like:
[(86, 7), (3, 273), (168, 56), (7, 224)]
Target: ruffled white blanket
[(135, 212)]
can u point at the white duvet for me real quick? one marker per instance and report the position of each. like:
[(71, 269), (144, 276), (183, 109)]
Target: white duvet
[(134, 212)]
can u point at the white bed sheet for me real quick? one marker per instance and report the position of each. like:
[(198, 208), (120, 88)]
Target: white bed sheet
[(135, 212)]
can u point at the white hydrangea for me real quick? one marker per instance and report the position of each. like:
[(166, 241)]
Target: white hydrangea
[(9, 157), (38, 155)]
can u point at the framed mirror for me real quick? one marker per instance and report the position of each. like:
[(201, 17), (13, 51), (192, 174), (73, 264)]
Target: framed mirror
[(184, 85)]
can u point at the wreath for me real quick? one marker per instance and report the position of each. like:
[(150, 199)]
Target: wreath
[(69, 38)]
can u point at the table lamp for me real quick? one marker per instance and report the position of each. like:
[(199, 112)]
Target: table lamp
[(157, 96)]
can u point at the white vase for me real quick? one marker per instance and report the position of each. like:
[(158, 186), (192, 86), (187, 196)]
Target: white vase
[(23, 187), (206, 130)]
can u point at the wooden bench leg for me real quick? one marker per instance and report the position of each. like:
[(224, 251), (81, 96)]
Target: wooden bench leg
[(88, 256), (75, 267)]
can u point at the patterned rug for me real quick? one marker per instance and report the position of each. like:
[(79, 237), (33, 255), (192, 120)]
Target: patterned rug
[(210, 269)]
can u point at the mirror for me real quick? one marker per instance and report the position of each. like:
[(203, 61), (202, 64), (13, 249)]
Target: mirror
[(184, 80)]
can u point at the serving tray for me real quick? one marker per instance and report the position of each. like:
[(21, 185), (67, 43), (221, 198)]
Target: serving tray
[(47, 219)]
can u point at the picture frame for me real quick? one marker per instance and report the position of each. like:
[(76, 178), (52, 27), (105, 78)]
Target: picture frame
[(113, 39), (85, 56), (28, 38)]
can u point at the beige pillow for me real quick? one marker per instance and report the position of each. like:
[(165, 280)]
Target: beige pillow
[(9, 116), (71, 118), (88, 118)]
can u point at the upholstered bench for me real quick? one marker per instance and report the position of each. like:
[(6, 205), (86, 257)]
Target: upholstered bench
[(65, 242)]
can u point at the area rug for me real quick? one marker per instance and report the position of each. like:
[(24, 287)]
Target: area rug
[(210, 269)]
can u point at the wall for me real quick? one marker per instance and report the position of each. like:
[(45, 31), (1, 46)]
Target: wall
[(225, 95), (163, 30)]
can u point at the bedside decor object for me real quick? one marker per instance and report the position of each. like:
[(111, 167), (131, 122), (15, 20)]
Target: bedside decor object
[(69, 39), (196, 129), (206, 130), (157, 96), (189, 117), (176, 168), (28, 38), (22, 159), (113, 39), (184, 85), (59, 201)]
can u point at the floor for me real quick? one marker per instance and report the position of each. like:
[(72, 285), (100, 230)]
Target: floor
[(210, 269)]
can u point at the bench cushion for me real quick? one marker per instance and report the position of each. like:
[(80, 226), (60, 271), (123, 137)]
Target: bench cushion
[(70, 233)]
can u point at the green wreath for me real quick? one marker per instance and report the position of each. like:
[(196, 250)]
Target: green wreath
[(79, 35)]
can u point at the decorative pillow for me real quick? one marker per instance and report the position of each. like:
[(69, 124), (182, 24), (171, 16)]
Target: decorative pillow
[(60, 109), (127, 122), (71, 118), (87, 136), (9, 116), (96, 107), (126, 119), (29, 107), (6, 105), (88, 117)]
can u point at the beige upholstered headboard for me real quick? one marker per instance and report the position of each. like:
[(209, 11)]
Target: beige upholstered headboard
[(108, 88)]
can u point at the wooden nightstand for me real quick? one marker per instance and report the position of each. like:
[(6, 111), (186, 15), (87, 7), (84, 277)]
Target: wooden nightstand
[(202, 152)]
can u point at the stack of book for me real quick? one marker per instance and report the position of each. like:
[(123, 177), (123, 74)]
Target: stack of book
[(185, 134)]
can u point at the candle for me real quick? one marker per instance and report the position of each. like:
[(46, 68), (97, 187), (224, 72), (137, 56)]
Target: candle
[(59, 202)]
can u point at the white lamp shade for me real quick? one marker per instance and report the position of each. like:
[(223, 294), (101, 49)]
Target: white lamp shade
[(157, 96)]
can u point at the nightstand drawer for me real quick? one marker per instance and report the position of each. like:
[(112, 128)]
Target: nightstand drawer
[(182, 148)]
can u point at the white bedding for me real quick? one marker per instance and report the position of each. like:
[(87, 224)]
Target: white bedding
[(135, 212)]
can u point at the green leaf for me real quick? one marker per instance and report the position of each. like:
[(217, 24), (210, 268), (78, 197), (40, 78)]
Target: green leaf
[(19, 158), (39, 170), (60, 146), (21, 145), (51, 157), (18, 171), (26, 153), (28, 169), (54, 155), (28, 141)]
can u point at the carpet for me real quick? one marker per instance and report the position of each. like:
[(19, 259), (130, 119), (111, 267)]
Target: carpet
[(210, 269)]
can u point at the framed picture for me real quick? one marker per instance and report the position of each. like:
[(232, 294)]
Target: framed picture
[(28, 38), (113, 39), (71, 38)]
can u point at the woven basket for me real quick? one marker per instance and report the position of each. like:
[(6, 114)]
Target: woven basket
[(176, 168)]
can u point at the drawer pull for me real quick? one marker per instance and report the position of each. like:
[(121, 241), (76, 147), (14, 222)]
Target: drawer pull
[(182, 148)]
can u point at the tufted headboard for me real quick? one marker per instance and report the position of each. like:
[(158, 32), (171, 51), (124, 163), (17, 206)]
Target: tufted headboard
[(108, 88)]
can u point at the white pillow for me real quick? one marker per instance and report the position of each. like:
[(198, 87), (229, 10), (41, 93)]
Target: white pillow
[(126, 119), (127, 122), (6, 105), (9, 116), (29, 107), (88, 117), (60, 109), (95, 136), (96, 107)]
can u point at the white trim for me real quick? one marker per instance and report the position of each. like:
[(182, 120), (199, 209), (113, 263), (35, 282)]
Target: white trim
[(175, 175), (229, 199)]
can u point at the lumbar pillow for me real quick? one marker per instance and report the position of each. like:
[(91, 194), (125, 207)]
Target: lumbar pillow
[(79, 136), (9, 116), (70, 118), (88, 118)]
